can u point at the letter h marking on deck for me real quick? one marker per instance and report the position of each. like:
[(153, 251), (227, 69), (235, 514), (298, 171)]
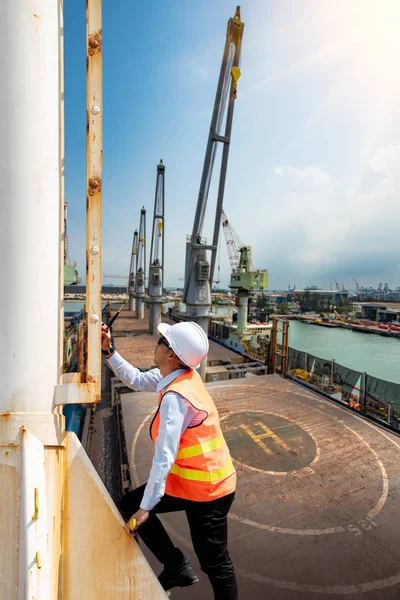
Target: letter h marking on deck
[(267, 434)]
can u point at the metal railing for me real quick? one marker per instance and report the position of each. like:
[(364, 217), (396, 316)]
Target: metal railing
[(369, 395)]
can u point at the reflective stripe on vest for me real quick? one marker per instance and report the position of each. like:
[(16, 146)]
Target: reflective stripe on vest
[(201, 448), (208, 476)]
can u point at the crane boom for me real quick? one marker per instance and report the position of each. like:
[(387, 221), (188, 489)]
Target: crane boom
[(232, 240), (132, 272), (156, 270), (198, 274), (141, 266)]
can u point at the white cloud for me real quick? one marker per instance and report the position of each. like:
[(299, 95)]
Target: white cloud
[(312, 178), (317, 229)]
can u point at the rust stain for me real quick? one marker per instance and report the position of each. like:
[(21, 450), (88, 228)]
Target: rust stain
[(6, 415), (94, 185), (87, 203), (87, 122), (95, 43), (12, 446), (94, 137), (35, 15), (87, 263), (93, 277)]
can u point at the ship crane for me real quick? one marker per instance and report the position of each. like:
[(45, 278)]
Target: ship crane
[(199, 274), (132, 272), (232, 240), (140, 274), (243, 278), (156, 270)]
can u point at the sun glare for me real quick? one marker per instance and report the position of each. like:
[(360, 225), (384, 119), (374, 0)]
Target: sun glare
[(371, 30)]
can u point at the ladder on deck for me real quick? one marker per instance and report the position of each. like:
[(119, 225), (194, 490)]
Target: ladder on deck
[(278, 356)]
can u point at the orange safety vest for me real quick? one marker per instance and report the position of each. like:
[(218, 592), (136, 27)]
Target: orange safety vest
[(203, 468)]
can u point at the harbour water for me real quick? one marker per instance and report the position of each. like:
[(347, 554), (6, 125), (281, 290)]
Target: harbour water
[(76, 306), (376, 355), (379, 356)]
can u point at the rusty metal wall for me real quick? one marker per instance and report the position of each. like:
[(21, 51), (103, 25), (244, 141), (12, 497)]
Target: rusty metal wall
[(94, 148)]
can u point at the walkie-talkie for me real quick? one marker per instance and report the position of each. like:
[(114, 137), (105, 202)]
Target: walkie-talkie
[(116, 315)]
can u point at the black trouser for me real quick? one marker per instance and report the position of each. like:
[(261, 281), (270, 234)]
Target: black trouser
[(209, 531)]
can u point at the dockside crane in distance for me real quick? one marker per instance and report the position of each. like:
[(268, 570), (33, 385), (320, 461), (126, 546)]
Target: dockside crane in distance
[(232, 240), (156, 269), (339, 290), (199, 274), (359, 289), (243, 278), (132, 272), (140, 274)]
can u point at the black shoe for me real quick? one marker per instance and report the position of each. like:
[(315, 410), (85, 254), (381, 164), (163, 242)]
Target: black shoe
[(180, 577)]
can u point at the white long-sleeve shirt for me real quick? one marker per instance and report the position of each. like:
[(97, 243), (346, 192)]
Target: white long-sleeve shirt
[(176, 415)]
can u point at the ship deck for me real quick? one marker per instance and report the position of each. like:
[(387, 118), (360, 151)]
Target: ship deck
[(316, 513)]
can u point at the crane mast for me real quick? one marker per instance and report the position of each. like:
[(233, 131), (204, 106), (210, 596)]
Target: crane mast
[(132, 272), (156, 270), (140, 276), (199, 273)]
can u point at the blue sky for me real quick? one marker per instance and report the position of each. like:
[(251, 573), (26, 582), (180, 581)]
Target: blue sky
[(314, 170)]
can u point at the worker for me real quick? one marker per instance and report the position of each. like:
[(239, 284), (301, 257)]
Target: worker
[(192, 470)]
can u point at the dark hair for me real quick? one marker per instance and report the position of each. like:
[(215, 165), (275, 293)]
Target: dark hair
[(182, 365)]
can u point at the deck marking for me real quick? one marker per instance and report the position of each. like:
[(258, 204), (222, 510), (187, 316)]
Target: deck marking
[(258, 437), (330, 530), (339, 590), (336, 590), (298, 472)]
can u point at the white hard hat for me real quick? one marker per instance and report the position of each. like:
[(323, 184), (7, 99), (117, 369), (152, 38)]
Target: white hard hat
[(187, 340)]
